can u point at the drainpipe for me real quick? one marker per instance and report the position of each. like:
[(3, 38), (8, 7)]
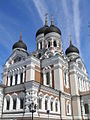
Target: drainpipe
[(60, 105)]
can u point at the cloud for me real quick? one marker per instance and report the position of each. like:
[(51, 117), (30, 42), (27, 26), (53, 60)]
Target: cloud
[(68, 21), (41, 8), (76, 16)]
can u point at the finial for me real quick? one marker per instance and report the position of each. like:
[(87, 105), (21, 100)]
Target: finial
[(51, 20), (20, 36), (70, 40), (46, 19)]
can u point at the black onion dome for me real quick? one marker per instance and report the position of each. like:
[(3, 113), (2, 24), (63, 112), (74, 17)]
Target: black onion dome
[(20, 44), (41, 30), (71, 49), (52, 28)]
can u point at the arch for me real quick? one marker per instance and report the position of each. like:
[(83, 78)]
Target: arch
[(7, 101), (86, 107), (55, 43), (68, 107)]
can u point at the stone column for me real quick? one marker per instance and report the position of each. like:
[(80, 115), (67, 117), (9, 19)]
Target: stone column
[(13, 81), (8, 80), (18, 80)]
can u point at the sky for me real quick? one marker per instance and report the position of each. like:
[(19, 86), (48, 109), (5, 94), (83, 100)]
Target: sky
[(71, 16)]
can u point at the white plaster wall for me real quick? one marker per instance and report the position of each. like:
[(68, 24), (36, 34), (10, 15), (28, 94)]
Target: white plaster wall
[(1, 101)]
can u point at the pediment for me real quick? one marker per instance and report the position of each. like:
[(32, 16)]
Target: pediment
[(16, 56)]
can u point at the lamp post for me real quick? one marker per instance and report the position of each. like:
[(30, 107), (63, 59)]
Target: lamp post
[(32, 108)]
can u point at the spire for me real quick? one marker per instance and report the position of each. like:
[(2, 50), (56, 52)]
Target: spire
[(46, 19), (51, 20), (20, 36), (70, 40)]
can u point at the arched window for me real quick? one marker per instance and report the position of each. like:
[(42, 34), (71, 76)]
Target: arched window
[(21, 103), (48, 44), (11, 78), (40, 105), (51, 105), (45, 104), (8, 104), (56, 106), (65, 80), (21, 78), (86, 109), (14, 103), (48, 78), (16, 76), (68, 108), (55, 44), (39, 55)]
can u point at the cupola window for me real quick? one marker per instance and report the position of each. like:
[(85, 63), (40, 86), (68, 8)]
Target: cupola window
[(21, 78), (16, 76), (11, 78), (55, 44), (40, 45), (48, 78), (48, 44)]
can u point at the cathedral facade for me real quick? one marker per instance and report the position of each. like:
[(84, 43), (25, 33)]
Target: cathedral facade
[(47, 84)]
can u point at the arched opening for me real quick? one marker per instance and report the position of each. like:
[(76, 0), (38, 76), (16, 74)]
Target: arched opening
[(86, 109), (55, 44), (11, 79), (8, 104), (56, 106), (14, 103), (45, 104), (21, 103), (40, 105), (48, 44), (16, 77)]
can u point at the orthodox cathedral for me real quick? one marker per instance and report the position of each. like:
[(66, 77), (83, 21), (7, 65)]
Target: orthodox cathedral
[(46, 84)]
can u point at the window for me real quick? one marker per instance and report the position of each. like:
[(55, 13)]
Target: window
[(8, 104), (21, 78), (48, 44), (40, 103), (39, 55), (45, 104), (47, 78), (21, 103), (86, 109), (11, 78), (51, 106), (14, 103), (16, 76), (56, 106), (65, 80), (68, 109), (55, 44), (40, 45)]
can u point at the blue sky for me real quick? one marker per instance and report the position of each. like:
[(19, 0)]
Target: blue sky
[(27, 16)]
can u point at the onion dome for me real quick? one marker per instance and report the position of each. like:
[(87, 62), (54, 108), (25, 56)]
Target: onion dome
[(42, 29), (71, 49), (20, 44), (52, 28)]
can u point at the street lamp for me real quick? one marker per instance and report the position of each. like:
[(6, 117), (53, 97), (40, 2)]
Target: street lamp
[(32, 108)]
